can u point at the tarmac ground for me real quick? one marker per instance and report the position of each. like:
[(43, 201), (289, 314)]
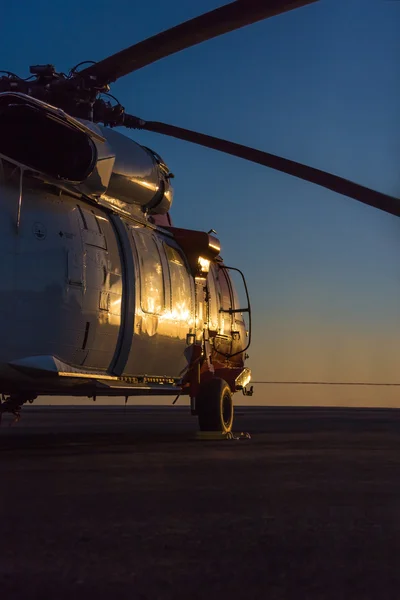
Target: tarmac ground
[(101, 502)]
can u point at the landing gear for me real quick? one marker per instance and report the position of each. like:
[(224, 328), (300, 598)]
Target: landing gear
[(214, 406), (13, 404)]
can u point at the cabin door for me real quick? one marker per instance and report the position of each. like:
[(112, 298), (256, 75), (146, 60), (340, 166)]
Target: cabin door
[(220, 323), (164, 311)]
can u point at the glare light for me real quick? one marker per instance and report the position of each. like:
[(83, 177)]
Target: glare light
[(246, 380), (147, 184), (204, 264)]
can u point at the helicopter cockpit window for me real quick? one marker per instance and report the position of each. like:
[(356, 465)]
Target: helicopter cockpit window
[(152, 297), (213, 304), (181, 295)]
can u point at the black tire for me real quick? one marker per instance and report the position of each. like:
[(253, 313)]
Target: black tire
[(214, 406)]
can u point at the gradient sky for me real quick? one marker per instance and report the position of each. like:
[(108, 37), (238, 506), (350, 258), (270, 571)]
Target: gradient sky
[(320, 85)]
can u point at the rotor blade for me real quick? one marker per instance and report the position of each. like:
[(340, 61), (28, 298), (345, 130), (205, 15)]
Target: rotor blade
[(332, 182), (207, 26)]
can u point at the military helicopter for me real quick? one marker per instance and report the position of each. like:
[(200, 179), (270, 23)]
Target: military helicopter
[(101, 294)]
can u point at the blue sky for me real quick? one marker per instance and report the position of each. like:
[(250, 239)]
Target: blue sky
[(320, 85)]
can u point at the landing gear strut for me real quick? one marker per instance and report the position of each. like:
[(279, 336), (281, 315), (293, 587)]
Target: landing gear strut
[(214, 406), (13, 404)]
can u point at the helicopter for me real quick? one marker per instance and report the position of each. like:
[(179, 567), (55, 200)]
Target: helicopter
[(102, 295)]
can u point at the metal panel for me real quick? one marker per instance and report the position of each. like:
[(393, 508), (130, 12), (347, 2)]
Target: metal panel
[(102, 300), (76, 272)]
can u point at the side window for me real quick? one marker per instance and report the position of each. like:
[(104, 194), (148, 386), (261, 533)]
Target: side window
[(152, 297), (223, 291), (181, 294)]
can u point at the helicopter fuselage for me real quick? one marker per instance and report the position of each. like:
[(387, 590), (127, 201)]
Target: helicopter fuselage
[(96, 299)]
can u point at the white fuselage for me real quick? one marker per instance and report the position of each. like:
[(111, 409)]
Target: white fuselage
[(90, 288), (92, 294)]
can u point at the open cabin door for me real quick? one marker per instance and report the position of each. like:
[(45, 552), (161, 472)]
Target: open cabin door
[(225, 314), (219, 323)]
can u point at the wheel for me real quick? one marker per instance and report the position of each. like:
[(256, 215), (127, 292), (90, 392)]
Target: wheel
[(214, 406)]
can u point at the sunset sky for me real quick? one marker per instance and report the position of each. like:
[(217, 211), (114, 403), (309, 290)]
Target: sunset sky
[(320, 85)]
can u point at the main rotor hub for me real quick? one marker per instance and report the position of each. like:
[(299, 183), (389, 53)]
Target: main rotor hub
[(77, 95)]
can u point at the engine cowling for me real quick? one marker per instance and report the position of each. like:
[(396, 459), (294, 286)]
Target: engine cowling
[(139, 175), (82, 156)]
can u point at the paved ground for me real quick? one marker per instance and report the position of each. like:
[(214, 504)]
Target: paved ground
[(103, 503)]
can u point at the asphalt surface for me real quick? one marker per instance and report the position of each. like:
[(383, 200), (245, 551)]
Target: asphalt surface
[(114, 503)]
